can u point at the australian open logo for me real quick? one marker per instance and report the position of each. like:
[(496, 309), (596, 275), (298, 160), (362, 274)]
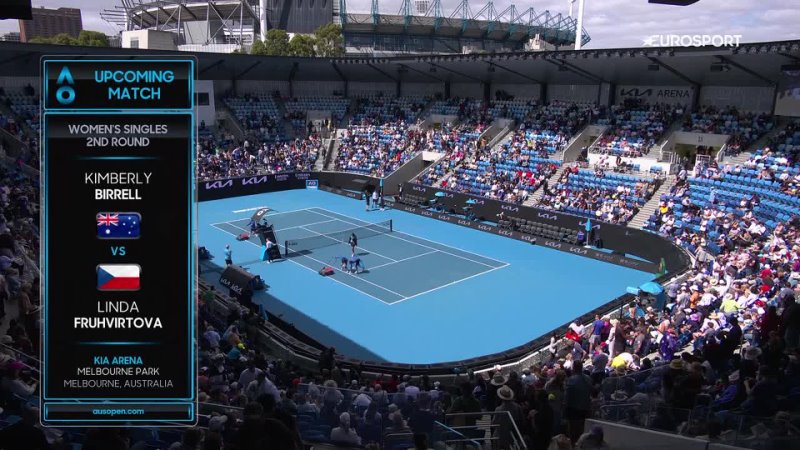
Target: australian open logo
[(65, 94)]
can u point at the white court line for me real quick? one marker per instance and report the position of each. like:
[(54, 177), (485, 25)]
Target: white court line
[(337, 241), (312, 270), (422, 245), (450, 284), (247, 209), (270, 215), (401, 260), (301, 226)]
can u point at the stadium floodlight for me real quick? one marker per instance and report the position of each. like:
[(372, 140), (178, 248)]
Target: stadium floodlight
[(579, 26)]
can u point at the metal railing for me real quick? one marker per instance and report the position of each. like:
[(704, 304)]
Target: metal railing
[(487, 429), (452, 438)]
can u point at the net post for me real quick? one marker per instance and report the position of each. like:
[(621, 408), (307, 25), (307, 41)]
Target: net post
[(390, 225), (285, 249)]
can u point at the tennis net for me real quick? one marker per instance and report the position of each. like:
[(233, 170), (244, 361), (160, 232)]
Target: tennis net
[(304, 245)]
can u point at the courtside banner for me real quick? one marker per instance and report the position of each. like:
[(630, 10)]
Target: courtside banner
[(256, 184)]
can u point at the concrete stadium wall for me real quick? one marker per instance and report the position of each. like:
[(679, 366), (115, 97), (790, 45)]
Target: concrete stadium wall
[(262, 87), (472, 90), (672, 95), (705, 139), (575, 93), (745, 98), (361, 89), (17, 83), (520, 91), (206, 113), (318, 88), (623, 437), (421, 89)]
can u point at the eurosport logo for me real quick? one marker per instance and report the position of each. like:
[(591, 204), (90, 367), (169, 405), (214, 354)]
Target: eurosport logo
[(692, 40), (254, 180), (219, 184)]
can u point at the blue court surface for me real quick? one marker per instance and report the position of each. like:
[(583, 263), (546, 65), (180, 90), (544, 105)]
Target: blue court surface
[(430, 291)]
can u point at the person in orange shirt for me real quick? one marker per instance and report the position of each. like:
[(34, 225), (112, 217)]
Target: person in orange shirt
[(694, 298)]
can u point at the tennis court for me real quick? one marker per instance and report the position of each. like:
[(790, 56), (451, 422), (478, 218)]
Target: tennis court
[(317, 237), (432, 291)]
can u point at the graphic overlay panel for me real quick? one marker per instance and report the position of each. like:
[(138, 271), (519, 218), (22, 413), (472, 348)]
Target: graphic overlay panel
[(119, 266)]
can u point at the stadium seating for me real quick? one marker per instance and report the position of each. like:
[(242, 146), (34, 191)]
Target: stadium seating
[(259, 114), (743, 127), (607, 196), (634, 129)]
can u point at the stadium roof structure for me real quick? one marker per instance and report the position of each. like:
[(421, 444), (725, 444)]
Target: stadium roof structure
[(167, 14), (507, 25), (757, 64)]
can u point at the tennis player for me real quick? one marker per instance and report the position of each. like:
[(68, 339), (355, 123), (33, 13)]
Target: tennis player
[(355, 264), (353, 241)]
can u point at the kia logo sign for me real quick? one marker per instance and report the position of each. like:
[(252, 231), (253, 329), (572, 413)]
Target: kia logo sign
[(552, 244), (505, 232), (510, 208), (483, 227), (577, 250), (219, 184), (254, 180), (463, 222), (528, 238), (547, 216), (443, 217), (419, 189), (426, 213), (635, 92)]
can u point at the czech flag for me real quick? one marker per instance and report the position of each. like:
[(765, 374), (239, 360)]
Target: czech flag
[(118, 277)]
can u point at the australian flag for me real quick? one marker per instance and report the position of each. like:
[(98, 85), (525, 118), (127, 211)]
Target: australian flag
[(118, 225)]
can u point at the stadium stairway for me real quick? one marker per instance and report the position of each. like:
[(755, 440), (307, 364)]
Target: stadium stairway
[(533, 200), (228, 121), (640, 219), (333, 154)]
